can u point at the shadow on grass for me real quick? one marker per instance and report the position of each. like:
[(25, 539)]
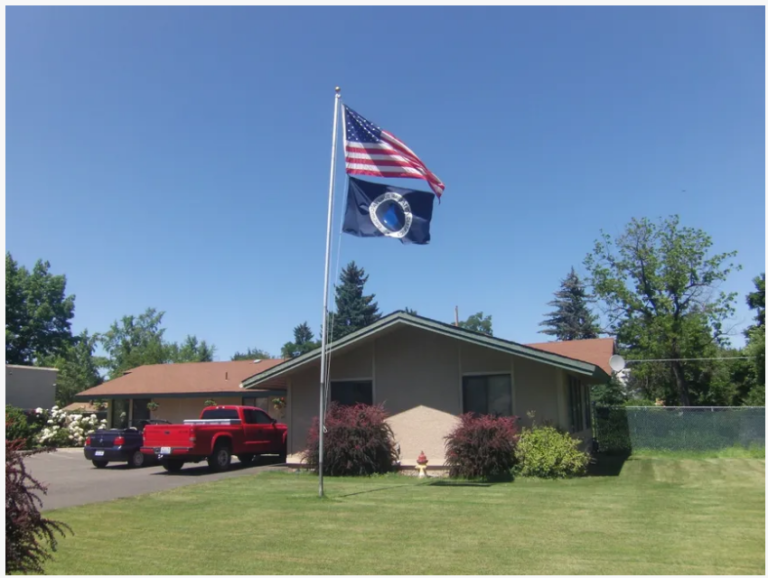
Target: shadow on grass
[(375, 490), (607, 465), (459, 484)]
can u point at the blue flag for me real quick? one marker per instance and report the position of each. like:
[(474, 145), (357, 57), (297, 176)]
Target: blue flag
[(375, 210)]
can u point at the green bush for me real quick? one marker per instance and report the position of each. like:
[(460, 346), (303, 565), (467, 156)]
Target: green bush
[(545, 452), (17, 426)]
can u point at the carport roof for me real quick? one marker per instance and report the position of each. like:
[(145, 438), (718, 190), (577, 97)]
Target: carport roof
[(182, 379)]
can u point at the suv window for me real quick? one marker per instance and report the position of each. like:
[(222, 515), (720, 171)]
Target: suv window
[(220, 414)]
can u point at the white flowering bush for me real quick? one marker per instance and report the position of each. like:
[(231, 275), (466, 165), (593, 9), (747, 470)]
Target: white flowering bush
[(64, 429)]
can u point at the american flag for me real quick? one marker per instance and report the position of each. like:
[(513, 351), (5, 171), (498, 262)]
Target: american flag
[(369, 150)]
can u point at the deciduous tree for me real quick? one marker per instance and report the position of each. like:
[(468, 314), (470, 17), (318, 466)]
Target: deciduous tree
[(659, 285)]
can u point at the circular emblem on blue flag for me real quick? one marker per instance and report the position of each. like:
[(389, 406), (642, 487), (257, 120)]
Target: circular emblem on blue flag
[(391, 215)]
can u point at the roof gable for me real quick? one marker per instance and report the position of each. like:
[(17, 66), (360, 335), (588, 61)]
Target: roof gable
[(400, 318)]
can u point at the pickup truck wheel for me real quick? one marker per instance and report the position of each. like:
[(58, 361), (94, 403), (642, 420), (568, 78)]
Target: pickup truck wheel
[(136, 460), (99, 463), (219, 460), (172, 465), (282, 457)]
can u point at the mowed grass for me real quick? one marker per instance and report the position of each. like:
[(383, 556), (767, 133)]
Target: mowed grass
[(659, 516)]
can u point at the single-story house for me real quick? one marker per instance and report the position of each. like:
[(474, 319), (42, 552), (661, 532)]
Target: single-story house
[(28, 387), (180, 390), (427, 373)]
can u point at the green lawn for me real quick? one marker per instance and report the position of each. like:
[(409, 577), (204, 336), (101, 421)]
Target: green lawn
[(659, 516)]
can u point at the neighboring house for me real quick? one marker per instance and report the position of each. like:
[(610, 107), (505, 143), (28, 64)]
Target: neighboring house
[(28, 387), (426, 373), (181, 389)]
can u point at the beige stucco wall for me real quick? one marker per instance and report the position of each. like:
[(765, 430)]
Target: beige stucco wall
[(417, 375), (537, 389), (30, 387), (414, 368), (422, 429)]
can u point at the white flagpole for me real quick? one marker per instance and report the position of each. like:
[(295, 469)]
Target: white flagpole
[(324, 341)]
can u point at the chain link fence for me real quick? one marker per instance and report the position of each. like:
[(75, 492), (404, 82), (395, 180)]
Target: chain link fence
[(622, 430)]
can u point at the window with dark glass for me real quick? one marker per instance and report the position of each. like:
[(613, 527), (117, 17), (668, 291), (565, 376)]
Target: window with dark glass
[(220, 414), (140, 413), (262, 417), (352, 392), (587, 406), (120, 409), (576, 404), (488, 394)]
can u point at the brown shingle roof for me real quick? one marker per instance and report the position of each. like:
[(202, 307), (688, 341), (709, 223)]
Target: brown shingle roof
[(181, 378), (595, 351)]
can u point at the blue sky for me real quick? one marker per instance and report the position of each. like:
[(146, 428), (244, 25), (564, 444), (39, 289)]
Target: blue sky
[(178, 158)]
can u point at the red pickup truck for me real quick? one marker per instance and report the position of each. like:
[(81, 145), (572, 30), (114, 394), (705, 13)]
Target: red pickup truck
[(221, 431)]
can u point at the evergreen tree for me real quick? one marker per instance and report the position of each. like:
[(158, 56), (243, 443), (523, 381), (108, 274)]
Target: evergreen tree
[(303, 342), (353, 309), (571, 318)]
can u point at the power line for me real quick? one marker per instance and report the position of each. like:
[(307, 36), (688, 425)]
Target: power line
[(686, 359)]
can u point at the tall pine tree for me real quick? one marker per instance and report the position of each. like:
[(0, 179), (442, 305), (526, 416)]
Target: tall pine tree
[(353, 309), (571, 318), (303, 342)]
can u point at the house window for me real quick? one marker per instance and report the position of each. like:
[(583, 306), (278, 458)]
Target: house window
[(260, 402), (576, 400), (488, 394), (139, 411), (352, 392), (587, 406), (120, 409)]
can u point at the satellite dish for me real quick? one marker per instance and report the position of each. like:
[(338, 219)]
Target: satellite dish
[(617, 363)]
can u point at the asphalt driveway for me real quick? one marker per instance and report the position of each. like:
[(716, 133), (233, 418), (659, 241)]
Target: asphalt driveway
[(73, 481)]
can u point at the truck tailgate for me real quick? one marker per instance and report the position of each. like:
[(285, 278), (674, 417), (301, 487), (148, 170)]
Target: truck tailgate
[(172, 436)]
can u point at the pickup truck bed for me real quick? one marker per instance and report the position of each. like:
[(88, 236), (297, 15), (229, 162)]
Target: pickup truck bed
[(220, 432)]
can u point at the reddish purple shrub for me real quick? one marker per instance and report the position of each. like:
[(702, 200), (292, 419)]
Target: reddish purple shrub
[(357, 442), (481, 446), (29, 538)]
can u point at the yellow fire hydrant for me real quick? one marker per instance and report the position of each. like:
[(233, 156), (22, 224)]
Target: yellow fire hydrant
[(421, 465)]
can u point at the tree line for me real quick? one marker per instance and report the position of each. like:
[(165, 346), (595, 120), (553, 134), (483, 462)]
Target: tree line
[(654, 288)]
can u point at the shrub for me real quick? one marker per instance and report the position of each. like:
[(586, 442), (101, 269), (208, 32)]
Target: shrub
[(545, 452), (357, 442), (29, 538), (17, 426), (481, 446), (64, 429)]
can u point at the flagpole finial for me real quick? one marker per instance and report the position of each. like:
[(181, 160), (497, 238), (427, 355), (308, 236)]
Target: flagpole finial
[(338, 89)]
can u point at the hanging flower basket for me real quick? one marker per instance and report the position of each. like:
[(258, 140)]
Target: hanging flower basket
[(209, 403), (152, 406), (278, 403)]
